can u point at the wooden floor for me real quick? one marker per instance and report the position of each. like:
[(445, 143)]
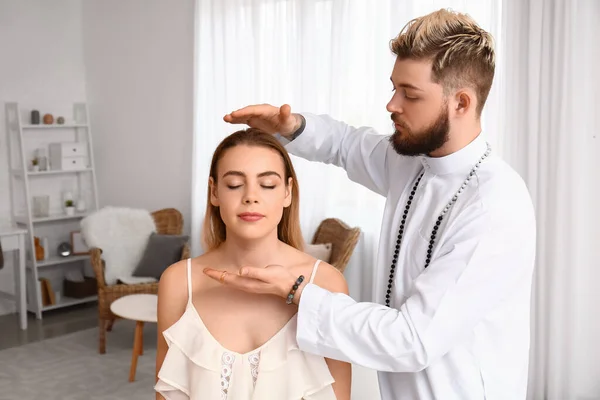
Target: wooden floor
[(54, 323)]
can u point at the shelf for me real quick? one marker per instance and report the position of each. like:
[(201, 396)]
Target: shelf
[(23, 136), (55, 260), (19, 173), (69, 301), (22, 219), (54, 126)]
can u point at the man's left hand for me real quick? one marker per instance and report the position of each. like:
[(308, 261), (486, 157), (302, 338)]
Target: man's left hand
[(273, 279)]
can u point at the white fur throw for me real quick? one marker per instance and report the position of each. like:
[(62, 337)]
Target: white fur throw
[(122, 234)]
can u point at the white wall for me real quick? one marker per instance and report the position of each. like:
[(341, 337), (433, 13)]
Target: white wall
[(41, 67), (133, 62), (139, 71)]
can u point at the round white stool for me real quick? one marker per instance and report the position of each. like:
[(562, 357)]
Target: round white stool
[(139, 308)]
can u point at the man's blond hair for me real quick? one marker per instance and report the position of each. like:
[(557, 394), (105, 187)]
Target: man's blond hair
[(462, 54)]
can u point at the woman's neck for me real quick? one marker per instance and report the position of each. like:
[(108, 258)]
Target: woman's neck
[(237, 252)]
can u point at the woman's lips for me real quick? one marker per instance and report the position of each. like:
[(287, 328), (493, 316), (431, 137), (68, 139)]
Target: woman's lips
[(250, 217)]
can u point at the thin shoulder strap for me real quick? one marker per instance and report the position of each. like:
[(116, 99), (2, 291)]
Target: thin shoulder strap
[(314, 271), (189, 279)]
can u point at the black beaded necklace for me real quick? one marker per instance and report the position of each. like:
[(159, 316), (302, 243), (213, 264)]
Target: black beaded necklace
[(435, 227)]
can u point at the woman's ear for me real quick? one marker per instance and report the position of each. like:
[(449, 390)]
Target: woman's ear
[(212, 186), (288, 193)]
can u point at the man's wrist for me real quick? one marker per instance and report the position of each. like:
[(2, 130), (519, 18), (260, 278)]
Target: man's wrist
[(296, 299), (290, 289), (298, 129)]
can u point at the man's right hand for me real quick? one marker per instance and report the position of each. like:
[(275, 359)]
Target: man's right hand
[(267, 118)]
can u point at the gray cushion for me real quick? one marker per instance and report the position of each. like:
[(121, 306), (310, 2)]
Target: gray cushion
[(161, 251)]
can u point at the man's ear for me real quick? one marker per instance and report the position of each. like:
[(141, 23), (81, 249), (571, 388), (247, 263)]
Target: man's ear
[(212, 186), (288, 193), (464, 101)]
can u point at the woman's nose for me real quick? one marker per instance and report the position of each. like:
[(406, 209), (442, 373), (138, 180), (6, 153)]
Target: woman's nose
[(250, 196)]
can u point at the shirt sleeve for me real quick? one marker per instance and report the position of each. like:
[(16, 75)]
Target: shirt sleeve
[(362, 152), (486, 261)]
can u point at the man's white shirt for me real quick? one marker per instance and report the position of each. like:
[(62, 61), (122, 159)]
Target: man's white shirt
[(458, 329)]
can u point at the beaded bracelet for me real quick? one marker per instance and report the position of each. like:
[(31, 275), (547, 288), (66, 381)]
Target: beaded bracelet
[(290, 296)]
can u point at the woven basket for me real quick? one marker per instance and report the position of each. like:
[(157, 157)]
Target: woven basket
[(78, 290)]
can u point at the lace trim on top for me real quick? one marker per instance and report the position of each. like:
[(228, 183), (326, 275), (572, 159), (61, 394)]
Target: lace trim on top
[(254, 360), (227, 360), (227, 365)]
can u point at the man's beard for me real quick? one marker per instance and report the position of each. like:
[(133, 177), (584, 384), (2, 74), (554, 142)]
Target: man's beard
[(426, 141)]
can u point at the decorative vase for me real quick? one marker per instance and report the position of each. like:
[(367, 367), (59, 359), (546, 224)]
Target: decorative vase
[(60, 120), (46, 248), (48, 119), (64, 249), (39, 250), (35, 117), (80, 205), (42, 159)]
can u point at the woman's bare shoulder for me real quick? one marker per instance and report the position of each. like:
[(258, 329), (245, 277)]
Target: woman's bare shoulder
[(172, 294), (174, 279), (174, 274), (327, 276), (330, 278)]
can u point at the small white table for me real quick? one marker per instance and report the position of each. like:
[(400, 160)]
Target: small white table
[(13, 238), (140, 308)]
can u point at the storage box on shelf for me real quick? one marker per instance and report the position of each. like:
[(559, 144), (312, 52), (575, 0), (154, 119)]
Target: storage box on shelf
[(68, 156), (49, 195)]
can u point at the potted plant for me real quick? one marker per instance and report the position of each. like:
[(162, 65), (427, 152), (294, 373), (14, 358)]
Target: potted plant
[(35, 164), (69, 207)]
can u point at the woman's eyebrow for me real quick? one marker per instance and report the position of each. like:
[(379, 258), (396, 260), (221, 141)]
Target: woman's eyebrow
[(235, 173), (262, 174), (268, 173)]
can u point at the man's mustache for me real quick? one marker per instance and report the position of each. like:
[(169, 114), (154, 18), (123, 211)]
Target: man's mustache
[(397, 120)]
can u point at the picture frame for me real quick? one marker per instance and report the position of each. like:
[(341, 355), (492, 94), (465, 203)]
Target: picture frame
[(78, 245)]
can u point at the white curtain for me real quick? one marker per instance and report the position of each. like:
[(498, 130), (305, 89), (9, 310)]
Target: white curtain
[(551, 136)]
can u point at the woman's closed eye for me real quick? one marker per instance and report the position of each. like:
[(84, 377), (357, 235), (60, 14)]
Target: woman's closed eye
[(270, 183), (264, 186)]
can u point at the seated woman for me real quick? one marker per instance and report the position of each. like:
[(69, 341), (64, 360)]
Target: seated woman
[(216, 342)]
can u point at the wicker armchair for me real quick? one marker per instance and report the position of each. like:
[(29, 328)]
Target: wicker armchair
[(343, 240), (168, 221)]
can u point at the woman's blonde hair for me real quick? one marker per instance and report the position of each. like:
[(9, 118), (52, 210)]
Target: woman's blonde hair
[(461, 52), (288, 229)]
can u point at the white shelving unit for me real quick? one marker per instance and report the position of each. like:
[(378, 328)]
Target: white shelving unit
[(23, 140)]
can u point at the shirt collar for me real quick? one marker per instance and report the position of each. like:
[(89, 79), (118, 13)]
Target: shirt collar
[(459, 160)]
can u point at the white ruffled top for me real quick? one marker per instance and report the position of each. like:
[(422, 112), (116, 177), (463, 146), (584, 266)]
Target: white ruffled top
[(196, 366)]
